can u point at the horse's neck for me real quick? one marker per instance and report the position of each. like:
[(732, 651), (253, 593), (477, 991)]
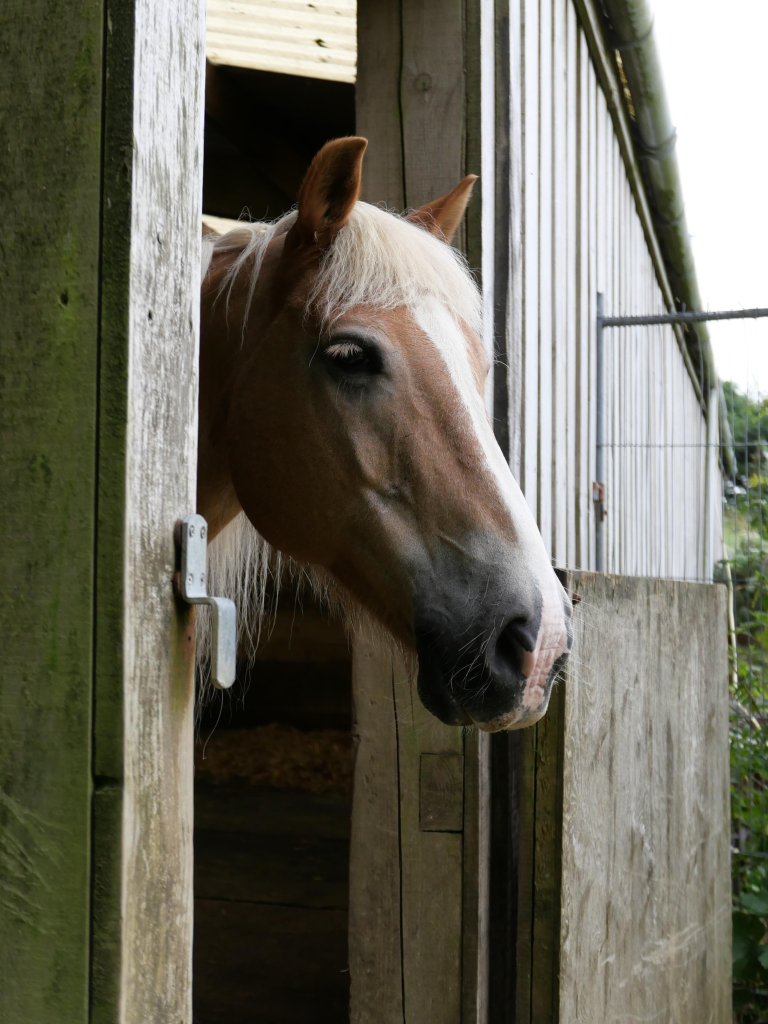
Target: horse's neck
[(216, 498)]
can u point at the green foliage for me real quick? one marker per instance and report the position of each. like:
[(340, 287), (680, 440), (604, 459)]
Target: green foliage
[(746, 532), (748, 419), (750, 957)]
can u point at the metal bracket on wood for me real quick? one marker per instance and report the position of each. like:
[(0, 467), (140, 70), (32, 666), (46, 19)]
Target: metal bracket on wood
[(598, 496), (192, 537)]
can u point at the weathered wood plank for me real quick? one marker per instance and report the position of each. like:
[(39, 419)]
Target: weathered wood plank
[(476, 878), (645, 857), (562, 509), (530, 258), (546, 174), (547, 866), (513, 182), (147, 465), (431, 865), (572, 488), (50, 138), (377, 101), (441, 792), (116, 315), (432, 98), (375, 941), (445, 129)]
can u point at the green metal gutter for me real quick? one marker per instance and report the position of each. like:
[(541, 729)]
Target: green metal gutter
[(631, 34)]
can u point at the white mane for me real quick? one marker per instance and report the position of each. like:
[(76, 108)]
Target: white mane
[(377, 259)]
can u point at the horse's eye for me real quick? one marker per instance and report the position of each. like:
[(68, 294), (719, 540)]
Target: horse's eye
[(351, 356)]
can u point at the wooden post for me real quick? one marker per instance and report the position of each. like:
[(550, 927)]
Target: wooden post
[(101, 167), (418, 888), (629, 881)]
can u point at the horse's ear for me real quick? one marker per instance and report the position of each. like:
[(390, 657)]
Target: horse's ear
[(330, 189), (443, 216)]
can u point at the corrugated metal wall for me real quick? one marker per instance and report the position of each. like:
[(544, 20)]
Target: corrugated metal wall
[(578, 232)]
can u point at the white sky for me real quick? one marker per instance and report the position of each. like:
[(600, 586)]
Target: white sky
[(713, 55)]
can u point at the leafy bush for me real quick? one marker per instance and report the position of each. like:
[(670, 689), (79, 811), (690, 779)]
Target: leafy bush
[(746, 535)]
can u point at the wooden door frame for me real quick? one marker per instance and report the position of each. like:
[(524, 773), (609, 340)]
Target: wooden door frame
[(103, 164), (428, 101)]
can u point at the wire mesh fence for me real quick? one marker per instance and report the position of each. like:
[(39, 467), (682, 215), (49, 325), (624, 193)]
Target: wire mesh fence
[(745, 568)]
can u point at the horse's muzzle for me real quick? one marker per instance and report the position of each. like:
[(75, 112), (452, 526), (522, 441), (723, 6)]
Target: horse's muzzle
[(495, 670)]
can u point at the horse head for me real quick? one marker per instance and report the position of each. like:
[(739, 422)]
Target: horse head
[(342, 409)]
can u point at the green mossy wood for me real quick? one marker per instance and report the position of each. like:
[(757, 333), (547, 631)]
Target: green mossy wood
[(100, 184), (50, 187)]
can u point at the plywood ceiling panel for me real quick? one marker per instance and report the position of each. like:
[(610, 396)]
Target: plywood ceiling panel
[(316, 40)]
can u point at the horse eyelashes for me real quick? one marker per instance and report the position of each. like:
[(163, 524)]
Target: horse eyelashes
[(344, 350)]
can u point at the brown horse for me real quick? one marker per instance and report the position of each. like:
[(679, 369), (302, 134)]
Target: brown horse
[(342, 424)]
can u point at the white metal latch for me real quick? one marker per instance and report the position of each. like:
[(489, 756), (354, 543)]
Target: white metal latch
[(192, 586)]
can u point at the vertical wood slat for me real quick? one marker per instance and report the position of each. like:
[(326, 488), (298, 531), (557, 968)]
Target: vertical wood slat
[(144, 701), (432, 94), (425, 98), (432, 875), (513, 338), (546, 267), (573, 309), (377, 101), (558, 342), (529, 428), (113, 165), (530, 258), (375, 941), (50, 118)]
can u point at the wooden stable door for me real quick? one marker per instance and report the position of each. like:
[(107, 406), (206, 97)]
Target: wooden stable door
[(621, 801), (418, 856), (101, 106), (601, 891)]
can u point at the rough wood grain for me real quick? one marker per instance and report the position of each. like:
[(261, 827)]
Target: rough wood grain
[(645, 853), (476, 863), (100, 284), (375, 942), (431, 865), (432, 98), (50, 118), (433, 125), (441, 792), (547, 876), (529, 90), (377, 100), (147, 459)]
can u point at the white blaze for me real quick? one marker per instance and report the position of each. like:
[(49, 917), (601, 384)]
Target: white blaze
[(446, 335)]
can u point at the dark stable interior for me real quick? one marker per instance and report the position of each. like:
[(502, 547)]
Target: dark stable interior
[(261, 131), (273, 756), (273, 767)]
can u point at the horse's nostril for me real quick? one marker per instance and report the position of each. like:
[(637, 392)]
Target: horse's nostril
[(522, 631)]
